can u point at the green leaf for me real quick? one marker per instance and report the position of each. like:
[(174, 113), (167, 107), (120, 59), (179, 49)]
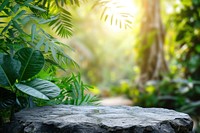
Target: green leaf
[(75, 2), (3, 16), (54, 54), (17, 26), (63, 24), (5, 2), (25, 20), (39, 44), (46, 87), (15, 8), (19, 14), (7, 98), (54, 63), (6, 28), (46, 47), (40, 89), (32, 61), (36, 7), (9, 70), (48, 20), (33, 29), (31, 91)]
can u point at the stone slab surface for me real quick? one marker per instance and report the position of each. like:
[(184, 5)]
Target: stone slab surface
[(99, 119)]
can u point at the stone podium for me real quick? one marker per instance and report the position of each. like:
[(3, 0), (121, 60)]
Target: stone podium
[(99, 119)]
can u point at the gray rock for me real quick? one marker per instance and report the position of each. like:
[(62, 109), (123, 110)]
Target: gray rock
[(99, 119)]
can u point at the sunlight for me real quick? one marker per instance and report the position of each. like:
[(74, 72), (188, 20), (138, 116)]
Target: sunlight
[(117, 7)]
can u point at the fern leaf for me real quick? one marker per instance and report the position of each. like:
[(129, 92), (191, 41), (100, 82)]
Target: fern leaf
[(5, 3), (62, 25), (68, 2)]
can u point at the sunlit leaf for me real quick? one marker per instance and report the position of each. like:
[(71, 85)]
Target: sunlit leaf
[(46, 87), (19, 15), (114, 12), (36, 7), (39, 88), (39, 44), (33, 30), (31, 91), (63, 24)]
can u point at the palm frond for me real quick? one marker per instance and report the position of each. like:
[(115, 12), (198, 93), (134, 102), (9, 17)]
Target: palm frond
[(114, 12), (60, 19), (69, 2), (62, 23), (53, 49)]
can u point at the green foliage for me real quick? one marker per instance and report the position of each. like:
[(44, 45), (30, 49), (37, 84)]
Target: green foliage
[(59, 19), (7, 98), (27, 48), (186, 22), (9, 70), (32, 61), (17, 74), (46, 87), (17, 16), (39, 88), (77, 89), (62, 23), (178, 94), (73, 92)]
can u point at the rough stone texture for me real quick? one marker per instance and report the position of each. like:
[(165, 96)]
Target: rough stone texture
[(99, 119)]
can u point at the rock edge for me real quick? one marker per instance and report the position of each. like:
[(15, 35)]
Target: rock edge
[(99, 119)]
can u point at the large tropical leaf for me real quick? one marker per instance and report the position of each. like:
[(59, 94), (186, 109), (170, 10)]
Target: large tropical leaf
[(46, 87), (7, 98), (39, 88), (32, 61), (31, 91), (9, 70)]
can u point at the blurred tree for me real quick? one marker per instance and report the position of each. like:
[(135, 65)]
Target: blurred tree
[(151, 58)]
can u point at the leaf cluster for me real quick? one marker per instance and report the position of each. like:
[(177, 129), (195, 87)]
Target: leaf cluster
[(17, 76), (73, 92), (186, 22)]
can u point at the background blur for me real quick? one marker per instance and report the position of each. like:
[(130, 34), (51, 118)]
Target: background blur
[(154, 61)]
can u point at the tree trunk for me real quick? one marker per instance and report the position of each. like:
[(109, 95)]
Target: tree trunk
[(152, 62)]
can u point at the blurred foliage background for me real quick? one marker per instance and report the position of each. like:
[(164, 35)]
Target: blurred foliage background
[(145, 51), (155, 62)]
